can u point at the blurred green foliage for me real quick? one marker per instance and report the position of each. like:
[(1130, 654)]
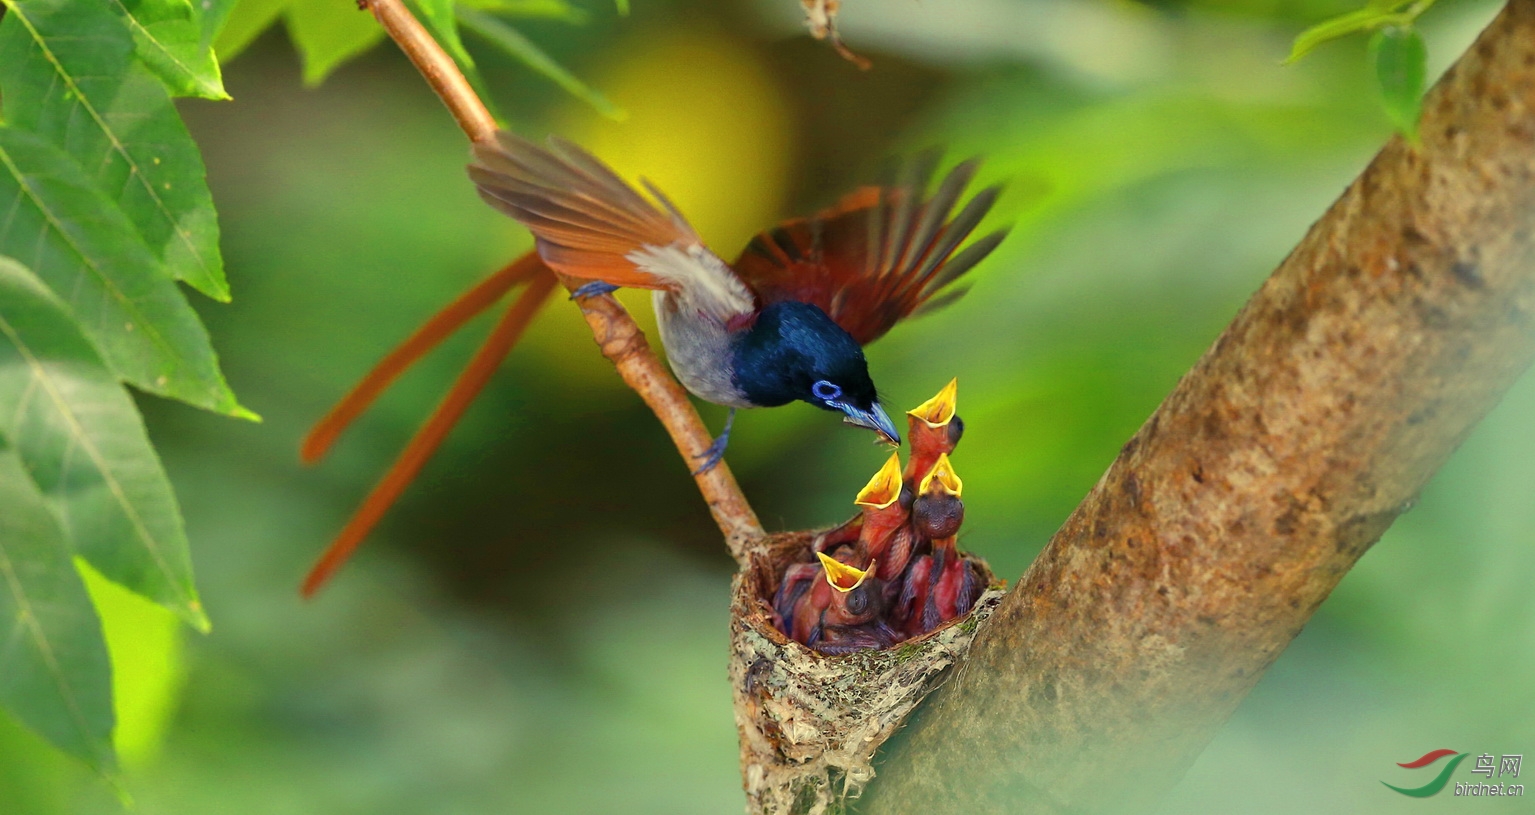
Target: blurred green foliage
[(1397, 51), (540, 626)]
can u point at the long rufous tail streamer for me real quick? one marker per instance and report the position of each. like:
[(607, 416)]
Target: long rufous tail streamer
[(540, 284)]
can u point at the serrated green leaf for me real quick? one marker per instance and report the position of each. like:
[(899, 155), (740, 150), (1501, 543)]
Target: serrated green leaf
[(1401, 65), (240, 23), (56, 679), (84, 445), (328, 33), (521, 48), (83, 247), (68, 73), (168, 37)]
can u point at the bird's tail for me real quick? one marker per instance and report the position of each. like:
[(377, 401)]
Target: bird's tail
[(540, 283)]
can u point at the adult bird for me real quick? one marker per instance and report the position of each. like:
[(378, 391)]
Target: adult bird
[(788, 320)]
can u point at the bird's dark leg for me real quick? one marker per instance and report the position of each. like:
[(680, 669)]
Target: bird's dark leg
[(593, 289), (716, 450)]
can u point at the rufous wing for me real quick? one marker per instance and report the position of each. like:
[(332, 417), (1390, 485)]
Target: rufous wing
[(592, 225), (879, 255), (587, 220)]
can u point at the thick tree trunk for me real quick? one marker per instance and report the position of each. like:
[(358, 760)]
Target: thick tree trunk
[(1309, 426)]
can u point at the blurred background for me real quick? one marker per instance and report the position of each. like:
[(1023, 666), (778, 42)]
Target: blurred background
[(540, 625)]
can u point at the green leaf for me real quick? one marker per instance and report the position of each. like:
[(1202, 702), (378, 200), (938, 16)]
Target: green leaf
[(82, 246), (215, 14), (438, 15), (439, 18), (68, 73), (146, 645), (169, 39), (1341, 26), (623, 7), (328, 33), (80, 436), (56, 679), (1375, 15), (234, 24), (1401, 64), (521, 48), (533, 9)]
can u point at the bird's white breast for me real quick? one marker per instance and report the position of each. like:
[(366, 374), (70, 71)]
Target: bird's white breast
[(698, 349)]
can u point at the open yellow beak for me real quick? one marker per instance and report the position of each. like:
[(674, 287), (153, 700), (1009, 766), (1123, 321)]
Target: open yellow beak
[(842, 577), (884, 488), (937, 411), (944, 477)]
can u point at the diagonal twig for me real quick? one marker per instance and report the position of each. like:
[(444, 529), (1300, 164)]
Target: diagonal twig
[(620, 339)]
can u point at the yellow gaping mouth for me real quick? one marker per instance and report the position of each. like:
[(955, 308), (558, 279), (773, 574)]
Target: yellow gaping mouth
[(944, 477), (884, 488), (842, 577), (937, 411)]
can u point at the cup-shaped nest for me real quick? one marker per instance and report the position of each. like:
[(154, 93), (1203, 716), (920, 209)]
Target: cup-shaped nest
[(809, 722), (837, 635)]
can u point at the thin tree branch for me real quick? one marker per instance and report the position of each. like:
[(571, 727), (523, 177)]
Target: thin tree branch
[(436, 67), (1298, 438), (620, 339)]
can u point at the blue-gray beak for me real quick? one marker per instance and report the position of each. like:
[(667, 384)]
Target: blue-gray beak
[(873, 418)]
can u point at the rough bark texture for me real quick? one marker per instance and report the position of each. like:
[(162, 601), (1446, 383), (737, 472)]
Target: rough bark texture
[(810, 724), (1296, 440)]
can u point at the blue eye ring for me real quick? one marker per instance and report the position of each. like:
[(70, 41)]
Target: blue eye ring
[(825, 391)]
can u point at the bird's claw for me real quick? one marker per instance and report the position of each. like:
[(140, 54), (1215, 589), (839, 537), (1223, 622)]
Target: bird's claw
[(716, 449), (596, 288), (713, 454)]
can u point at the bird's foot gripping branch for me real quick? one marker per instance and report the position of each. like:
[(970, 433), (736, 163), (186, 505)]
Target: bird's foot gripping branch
[(837, 635)]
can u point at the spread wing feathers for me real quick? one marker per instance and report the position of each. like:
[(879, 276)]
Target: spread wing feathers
[(881, 254), (590, 224)]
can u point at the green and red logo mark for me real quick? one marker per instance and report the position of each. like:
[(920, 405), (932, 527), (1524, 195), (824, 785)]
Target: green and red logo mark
[(1439, 781)]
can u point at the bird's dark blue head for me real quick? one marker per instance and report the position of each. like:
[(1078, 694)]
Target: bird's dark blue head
[(794, 351)]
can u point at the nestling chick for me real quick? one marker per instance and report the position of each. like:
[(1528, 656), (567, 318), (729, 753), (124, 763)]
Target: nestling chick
[(855, 618)]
